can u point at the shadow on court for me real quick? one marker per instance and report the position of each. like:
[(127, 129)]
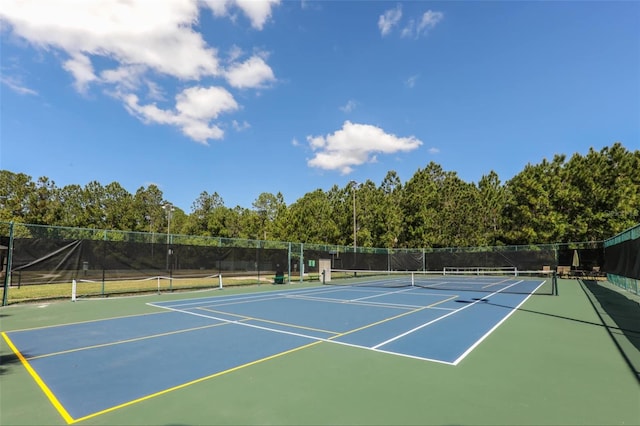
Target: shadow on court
[(7, 361), (597, 324), (624, 311), (619, 314)]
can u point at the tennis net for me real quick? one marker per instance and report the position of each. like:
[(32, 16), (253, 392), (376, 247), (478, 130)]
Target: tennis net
[(478, 269), (91, 288), (452, 279)]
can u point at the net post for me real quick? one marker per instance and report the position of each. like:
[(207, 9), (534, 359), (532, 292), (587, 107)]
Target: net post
[(220, 281), (74, 287), (554, 283), (158, 278), (413, 279)]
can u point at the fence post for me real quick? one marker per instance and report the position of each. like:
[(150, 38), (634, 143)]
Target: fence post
[(104, 257), (289, 264), (301, 262), (7, 275)]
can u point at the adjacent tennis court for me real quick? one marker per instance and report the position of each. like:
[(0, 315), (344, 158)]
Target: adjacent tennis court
[(152, 350)]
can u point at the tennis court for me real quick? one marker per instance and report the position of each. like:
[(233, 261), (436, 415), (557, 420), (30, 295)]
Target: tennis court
[(97, 366)]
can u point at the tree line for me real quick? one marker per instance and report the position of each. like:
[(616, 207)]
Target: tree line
[(584, 198)]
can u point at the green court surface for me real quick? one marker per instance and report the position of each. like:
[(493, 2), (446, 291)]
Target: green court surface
[(567, 359)]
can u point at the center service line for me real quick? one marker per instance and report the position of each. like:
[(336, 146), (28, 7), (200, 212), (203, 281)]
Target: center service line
[(437, 319)]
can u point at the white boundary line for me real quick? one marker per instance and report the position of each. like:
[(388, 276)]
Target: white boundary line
[(306, 336), (481, 339), (413, 330), (229, 298), (375, 348)]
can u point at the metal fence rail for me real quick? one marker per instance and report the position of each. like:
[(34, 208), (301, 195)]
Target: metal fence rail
[(41, 255)]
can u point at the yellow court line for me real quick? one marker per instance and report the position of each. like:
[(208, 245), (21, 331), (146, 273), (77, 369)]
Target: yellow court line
[(350, 302), (497, 283), (71, 420), (118, 342), (392, 318), (224, 313), (193, 382), (270, 322), (88, 321), (52, 398)]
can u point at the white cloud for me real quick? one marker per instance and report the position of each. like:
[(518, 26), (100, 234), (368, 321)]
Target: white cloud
[(155, 34), (195, 108), (126, 77), (258, 12), (235, 52), (205, 103), (411, 81), (80, 67), (408, 30), (434, 150), (125, 47), (414, 27), (349, 106), (389, 19), (356, 144), (240, 126), (252, 73), (15, 84), (427, 22), (154, 91)]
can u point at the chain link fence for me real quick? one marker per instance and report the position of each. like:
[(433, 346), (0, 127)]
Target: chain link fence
[(102, 260)]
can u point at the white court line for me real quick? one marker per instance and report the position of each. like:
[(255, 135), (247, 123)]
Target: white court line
[(497, 283), (238, 322), (439, 295), (377, 304), (375, 348), (356, 302), (472, 347), (413, 330), (234, 297), (386, 293), (306, 336), (378, 293), (228, 300)]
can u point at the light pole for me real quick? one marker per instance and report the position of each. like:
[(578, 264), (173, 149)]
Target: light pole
[(169, 208), (150, 219)]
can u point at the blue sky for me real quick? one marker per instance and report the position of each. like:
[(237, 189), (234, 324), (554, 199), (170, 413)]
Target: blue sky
[(242, 97)]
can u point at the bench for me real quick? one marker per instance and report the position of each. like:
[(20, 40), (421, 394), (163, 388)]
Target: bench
[(563, 271)]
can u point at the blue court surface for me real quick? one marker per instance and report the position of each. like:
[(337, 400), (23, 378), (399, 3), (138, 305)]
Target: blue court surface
[(94, 367)]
